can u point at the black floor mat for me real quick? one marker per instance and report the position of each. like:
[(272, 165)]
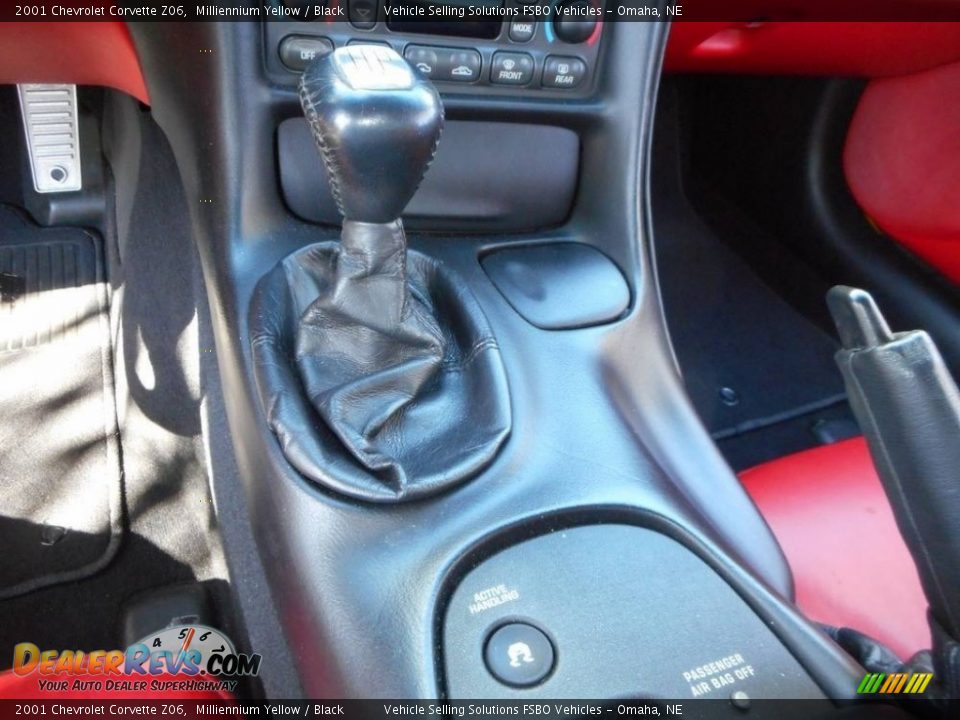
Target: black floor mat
[(60, 481), (750, 361)]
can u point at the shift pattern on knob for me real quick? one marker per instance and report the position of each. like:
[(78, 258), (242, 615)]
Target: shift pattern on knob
[(376, 123), (373, 67)]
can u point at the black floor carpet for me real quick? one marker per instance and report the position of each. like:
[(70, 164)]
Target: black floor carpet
[(761, 375), (60, 481)]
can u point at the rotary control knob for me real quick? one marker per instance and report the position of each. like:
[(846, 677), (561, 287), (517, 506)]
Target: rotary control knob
[(575, 21)]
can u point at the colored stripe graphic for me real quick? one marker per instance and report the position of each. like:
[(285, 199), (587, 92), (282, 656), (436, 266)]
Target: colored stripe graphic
[(918, 683), (894, 684), (902, 682), (891, 682), (870, 683)]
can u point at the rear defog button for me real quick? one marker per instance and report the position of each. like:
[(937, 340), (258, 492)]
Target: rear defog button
[(519, 655), (563, 72)]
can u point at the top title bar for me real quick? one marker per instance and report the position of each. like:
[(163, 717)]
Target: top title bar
[(745, 11)]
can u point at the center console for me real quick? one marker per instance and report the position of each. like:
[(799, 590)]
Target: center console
[(602, 548)]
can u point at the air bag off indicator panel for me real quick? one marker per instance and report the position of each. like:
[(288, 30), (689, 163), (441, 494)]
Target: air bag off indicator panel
[(609, 611)]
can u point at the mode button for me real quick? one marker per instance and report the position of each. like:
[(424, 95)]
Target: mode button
[(522, 30)]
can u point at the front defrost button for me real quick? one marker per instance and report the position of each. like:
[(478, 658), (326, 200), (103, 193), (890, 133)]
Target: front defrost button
[(511, 68)]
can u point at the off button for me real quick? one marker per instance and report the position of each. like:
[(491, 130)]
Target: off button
[(563, 72), (298, 51), (519, 654)]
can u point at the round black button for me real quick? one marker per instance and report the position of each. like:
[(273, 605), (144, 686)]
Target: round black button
[(519, 654), (574, 22)]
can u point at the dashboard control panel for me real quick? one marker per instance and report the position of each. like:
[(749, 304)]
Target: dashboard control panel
[(541, 48)]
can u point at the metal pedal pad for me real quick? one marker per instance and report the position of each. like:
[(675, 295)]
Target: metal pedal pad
[(50, 124)]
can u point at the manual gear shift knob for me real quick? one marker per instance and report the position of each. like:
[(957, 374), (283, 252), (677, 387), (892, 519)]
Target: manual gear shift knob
[(376, 122)]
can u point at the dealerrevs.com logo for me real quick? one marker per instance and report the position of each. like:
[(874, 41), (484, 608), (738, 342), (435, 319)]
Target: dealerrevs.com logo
[(183, 657)]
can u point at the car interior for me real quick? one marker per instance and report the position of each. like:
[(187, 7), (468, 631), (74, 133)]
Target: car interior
[(596, 356)]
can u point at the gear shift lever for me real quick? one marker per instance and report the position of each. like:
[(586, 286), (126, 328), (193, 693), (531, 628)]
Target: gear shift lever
[(398, 389), (376, 123)]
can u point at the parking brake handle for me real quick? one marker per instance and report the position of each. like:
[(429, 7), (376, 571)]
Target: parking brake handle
[(908, 407)]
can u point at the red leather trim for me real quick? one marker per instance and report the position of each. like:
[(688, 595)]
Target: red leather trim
[(83, 53), (27, 687), (850, 565), (863, 49), (902, 162)]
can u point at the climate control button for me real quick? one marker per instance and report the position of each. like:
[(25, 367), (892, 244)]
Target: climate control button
[(563, 72), (424, 58), (297, 51), (461, 66), (522, 30), (510, 68)]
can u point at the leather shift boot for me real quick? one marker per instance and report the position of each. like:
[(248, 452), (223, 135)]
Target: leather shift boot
[(367, 347), (377, 368)]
